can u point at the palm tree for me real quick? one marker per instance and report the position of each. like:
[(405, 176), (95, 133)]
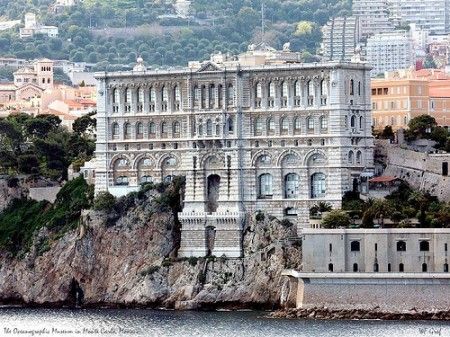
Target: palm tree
[(380, 209)]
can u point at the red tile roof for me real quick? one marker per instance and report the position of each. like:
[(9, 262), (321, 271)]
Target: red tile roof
[(382, 179)]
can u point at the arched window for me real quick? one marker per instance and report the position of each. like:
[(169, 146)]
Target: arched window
[(297, 123), (310, 87), (323, 88), (127, 95), (297, 88), (291, 186), (258, 126), (164, 129), (271, 89), (146, 179), (353, 121), (220, 95), (196, 95), (358, 157), (164, 94), (355, 246), (116, 96), (424, 246), (330, 267), (217, 127), (352, 87), (401, 267), (359, 88), (230, 94), (323, 122), (350, 157), (424, 267), (284, 123), (270, 125), (151, 95), (140, 95), (318, 188), (176, 127), (284, 89), (389, 267), (212, 95), (258, 90), (200, 127), (355, 267), (209, 127), (139, 130), (375, 267), (265, 185), (445, 267), (115, 130), (310, 123), (177, 93), (361, 122), (127, 131), (230, 125)]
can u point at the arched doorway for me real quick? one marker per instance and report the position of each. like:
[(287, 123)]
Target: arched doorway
[(213, 193)]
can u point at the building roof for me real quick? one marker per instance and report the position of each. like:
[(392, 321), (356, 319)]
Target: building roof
[(7, 87), (24, 70), (383, 179)]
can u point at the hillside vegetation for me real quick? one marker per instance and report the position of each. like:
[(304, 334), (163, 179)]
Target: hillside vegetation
[(115, 32)]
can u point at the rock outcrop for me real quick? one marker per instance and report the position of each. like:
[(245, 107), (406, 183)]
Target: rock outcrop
[(129, 259)]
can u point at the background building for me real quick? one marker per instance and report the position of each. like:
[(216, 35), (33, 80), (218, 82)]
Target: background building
[(341, 36), (373, 16), (431, 15), (32, 26), (404, 95), (389, 52)]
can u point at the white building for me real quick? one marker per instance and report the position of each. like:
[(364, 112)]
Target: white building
[(373, 15), (408, 250), (260, 131), (341, 36), (431, 15), (32, 26), (389, 52)]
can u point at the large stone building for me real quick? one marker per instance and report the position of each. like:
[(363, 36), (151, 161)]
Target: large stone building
[(261, 131)]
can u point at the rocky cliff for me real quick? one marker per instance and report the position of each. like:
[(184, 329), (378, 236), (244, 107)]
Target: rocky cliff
[(128, 258)]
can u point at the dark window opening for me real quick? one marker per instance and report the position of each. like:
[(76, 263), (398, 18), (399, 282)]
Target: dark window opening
[(375, 268), (401, 268), (330, 267), (445, 169), (355, 267), (424, 246), (389, 267), (424, 267), (445, 267), (355, 246), (401, 246)]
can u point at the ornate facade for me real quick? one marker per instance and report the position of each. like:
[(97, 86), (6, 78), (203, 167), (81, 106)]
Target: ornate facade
[(257, 132)]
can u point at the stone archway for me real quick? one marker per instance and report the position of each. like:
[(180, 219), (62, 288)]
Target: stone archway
[(213, 189)]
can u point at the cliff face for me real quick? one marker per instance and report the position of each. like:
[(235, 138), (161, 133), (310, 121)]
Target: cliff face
[(129, 259)]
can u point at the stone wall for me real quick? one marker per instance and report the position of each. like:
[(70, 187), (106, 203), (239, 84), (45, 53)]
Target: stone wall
[(421, 170), (44, 193), (368, 291)]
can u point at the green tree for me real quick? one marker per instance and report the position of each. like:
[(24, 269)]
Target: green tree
[(104, 201), (387, 132), (421, 126), (336, 219)]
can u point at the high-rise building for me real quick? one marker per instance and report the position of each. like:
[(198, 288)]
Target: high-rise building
[(389, 52), (431, 15), (373, 15), (341, 36), (261, 131)]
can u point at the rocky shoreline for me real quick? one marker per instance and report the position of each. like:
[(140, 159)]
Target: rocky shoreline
[(350, 314)]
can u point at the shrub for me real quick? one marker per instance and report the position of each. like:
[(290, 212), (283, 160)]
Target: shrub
[(193, 261), (149, 271), (335, 219), (260, 216), (104, 201)]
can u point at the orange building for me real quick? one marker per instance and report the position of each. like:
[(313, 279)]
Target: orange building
[(404, 95)]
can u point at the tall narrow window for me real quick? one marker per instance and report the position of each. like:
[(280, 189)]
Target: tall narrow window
[(230, 125), (127, 95), (209, 127), (424, 267), (230, 95), (258, 126), (318, 188), (284, 125), (265, 185), (401, 267), (270, 126), (258, 90), (355, 267), (116, 96), (323, 122), (352, 87), (330, 267)]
